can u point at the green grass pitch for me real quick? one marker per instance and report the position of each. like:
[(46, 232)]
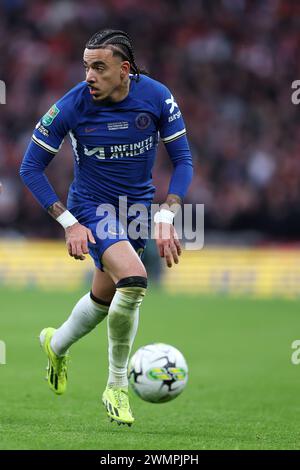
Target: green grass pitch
[(243, 391)]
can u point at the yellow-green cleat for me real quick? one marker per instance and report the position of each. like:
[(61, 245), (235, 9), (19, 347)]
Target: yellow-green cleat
[(115, 399), (57, 365)]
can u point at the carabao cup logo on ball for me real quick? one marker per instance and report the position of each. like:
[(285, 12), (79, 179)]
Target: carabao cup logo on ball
[(170, 373), (158, 372), (50, 115)]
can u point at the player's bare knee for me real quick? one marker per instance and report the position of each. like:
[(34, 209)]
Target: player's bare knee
[(139, 271), (135, 268)]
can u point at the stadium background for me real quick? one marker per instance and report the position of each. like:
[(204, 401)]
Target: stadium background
[(230, 64)]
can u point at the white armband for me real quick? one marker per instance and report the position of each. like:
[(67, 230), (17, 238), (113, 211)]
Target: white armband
[(66, 219), (165, 216)]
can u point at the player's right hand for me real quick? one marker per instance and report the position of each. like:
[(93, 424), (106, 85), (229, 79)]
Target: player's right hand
[(77, 238), (167, 243)]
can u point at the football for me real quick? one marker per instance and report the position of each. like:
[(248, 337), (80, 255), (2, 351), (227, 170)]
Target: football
[(158, 372)]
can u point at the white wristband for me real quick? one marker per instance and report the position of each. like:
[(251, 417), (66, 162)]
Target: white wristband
[(66, 219), (164, 216)]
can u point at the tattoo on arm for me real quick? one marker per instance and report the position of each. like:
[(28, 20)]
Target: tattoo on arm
[(56, 209), (172, 203)]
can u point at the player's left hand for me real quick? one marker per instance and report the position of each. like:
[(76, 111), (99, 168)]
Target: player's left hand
[(167, 243)]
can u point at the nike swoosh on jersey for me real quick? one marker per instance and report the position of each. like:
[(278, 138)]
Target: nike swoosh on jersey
[(90, 129)]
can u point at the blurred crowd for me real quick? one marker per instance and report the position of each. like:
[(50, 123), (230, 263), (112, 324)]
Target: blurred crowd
[(229, 63)]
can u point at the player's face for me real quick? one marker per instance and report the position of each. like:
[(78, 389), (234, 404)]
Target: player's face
[(105, 73)]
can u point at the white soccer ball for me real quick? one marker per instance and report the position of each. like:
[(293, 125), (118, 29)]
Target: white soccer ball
[(158, 372)]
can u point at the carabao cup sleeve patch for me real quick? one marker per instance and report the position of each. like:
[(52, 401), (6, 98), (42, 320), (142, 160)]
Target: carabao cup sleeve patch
[(49, 117)]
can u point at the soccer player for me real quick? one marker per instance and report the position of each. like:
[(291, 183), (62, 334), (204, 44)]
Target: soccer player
[(114, 119)]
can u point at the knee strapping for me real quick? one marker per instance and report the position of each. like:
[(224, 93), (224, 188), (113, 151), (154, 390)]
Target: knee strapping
[(133, 288), (99, 301)]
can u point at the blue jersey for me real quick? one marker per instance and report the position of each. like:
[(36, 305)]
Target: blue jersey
[(114, 144)]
